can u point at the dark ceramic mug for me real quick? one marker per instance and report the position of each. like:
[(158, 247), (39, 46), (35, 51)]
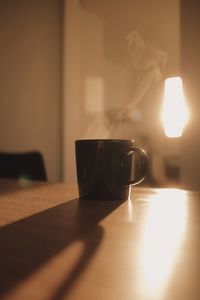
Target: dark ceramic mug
[(106, 168)]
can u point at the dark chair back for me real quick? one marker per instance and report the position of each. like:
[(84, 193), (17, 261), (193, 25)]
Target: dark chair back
[(26, 165)]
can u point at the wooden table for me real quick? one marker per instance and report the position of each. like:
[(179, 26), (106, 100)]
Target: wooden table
[(53, 246)]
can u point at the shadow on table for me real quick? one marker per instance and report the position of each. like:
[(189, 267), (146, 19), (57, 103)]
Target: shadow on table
[(27, 244)]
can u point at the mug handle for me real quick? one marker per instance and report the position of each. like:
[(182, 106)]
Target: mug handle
[(144, 165)]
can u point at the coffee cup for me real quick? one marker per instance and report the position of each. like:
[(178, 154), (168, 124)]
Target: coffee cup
[(107, 168)]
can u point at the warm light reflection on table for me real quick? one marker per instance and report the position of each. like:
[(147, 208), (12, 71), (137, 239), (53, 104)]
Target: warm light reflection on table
[(161, 238)]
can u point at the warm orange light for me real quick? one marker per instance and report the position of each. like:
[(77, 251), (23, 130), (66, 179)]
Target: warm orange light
[(161, 239), (174, 111)]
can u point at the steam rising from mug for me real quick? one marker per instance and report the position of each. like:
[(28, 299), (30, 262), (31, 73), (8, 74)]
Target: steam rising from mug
[(145, 65)]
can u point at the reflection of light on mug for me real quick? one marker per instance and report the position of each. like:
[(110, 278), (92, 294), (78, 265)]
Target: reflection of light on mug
[(161, 237), (174, 112)]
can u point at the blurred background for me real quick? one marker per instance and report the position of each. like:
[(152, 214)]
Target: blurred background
[(63, 63)]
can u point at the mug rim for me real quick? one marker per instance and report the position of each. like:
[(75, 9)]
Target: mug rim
[(104, 140)]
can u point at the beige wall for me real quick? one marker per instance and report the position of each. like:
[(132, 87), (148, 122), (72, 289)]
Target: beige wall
[(106, 25), (72, 49), (103, 31), (93, 60), (30, 79), (157, 20), (190, 155)]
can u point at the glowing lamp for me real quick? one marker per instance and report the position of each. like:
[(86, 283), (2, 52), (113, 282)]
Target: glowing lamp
[(174, 114)]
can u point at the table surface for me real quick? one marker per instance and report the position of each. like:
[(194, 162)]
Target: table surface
[(54, 246)]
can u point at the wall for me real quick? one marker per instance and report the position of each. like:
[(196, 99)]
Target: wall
[(108, 46), (190, 156), (97, 63), (30, 79), (72, 50), (158, 21), (93, 53)]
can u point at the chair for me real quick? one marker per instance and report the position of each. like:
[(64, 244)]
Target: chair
[(22, 165)]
